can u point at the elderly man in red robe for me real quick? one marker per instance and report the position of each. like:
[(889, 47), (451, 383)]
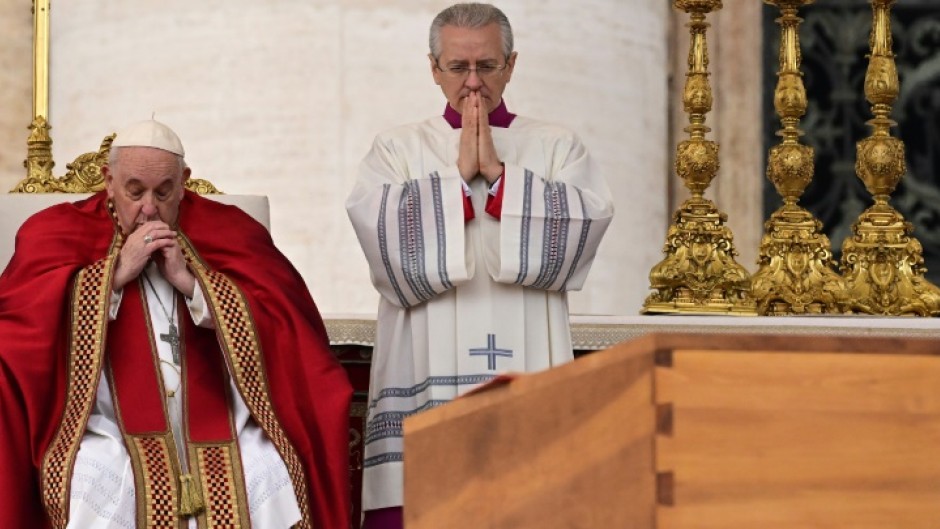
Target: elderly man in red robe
[(163, 365)]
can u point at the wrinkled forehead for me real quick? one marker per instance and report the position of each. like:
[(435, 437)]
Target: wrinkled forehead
[(134, 162)]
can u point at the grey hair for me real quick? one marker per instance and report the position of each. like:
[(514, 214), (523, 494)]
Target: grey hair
[(470, 15), (113, 159)]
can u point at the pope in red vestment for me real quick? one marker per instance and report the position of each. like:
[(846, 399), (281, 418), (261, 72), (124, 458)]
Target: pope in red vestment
[(57, 341)]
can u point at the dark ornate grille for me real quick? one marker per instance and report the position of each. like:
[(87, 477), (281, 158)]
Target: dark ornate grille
[(834, 38)]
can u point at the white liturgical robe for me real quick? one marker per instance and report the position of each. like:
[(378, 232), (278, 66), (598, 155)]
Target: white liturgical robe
[(462, 301), (103, 491)]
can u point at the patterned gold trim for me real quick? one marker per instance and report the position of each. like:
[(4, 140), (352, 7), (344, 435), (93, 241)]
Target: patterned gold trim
[(219, 471), (155, 471), (343, 331), (236, 331), (90, 302)]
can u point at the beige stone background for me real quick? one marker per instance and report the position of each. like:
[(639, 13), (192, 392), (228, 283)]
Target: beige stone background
[(283, 98)]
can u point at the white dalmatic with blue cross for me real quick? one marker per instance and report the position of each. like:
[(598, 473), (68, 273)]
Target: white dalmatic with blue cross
[(464, 301)]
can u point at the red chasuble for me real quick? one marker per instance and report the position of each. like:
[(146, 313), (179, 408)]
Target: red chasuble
[(49, 370)]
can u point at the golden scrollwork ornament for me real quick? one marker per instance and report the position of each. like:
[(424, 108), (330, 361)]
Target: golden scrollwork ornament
[(882, 262), (699, 274), (796, 274), (83, 175)]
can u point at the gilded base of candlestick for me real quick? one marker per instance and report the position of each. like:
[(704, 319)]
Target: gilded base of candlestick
[(38, 162), (883, 267), (796, 274), (699, 274)]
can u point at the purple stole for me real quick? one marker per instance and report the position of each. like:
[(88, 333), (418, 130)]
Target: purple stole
[(499, 117)]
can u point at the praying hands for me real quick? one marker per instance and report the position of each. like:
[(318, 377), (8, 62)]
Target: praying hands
[(157, 241), (477, 155)]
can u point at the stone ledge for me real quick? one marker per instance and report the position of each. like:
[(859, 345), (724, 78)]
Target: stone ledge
[(600, 332)]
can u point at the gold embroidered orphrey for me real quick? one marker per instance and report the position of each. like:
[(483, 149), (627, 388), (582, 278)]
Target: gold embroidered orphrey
[(163, 493)]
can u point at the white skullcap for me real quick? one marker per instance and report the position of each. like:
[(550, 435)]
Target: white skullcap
[(149, 133)]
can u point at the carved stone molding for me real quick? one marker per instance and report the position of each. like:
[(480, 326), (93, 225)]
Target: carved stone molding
[(590, 333)]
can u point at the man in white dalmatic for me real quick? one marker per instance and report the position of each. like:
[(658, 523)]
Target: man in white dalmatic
[(475, 223)]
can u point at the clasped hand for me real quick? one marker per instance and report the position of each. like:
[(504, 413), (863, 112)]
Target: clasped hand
[(157, 241), (477, 156)]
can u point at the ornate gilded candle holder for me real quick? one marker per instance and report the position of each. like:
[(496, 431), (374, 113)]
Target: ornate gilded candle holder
[(882, 263), (38, 162), (796, 274), (699, 274)]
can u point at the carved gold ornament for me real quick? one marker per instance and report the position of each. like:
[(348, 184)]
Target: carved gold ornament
[(83, 175)]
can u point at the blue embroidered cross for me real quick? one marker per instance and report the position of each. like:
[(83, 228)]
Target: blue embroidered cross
[(490, 352)]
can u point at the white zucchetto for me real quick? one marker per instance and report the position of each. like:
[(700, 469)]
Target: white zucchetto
[(149, 133)]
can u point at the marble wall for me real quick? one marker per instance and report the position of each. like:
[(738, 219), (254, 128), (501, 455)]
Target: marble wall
[(16, 88), (283, 98)]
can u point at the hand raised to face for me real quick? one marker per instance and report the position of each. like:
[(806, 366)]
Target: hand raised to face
[(153, 240), (149, 237)]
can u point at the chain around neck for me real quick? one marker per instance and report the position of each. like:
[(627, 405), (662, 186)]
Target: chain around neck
[(169, 315), (170, 393)]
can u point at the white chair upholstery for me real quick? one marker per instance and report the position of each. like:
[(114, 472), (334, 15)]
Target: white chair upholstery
[(15, 208)]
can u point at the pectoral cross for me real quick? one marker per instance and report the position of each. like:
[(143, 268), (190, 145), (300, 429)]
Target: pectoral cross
[(173, 338)]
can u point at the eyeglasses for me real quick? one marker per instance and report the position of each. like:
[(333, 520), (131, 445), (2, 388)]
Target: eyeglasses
[(483, 71)]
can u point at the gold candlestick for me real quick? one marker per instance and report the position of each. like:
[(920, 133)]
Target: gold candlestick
[(699, 274), (41, 58), (795, 274), (882, 263), (38, 162)]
